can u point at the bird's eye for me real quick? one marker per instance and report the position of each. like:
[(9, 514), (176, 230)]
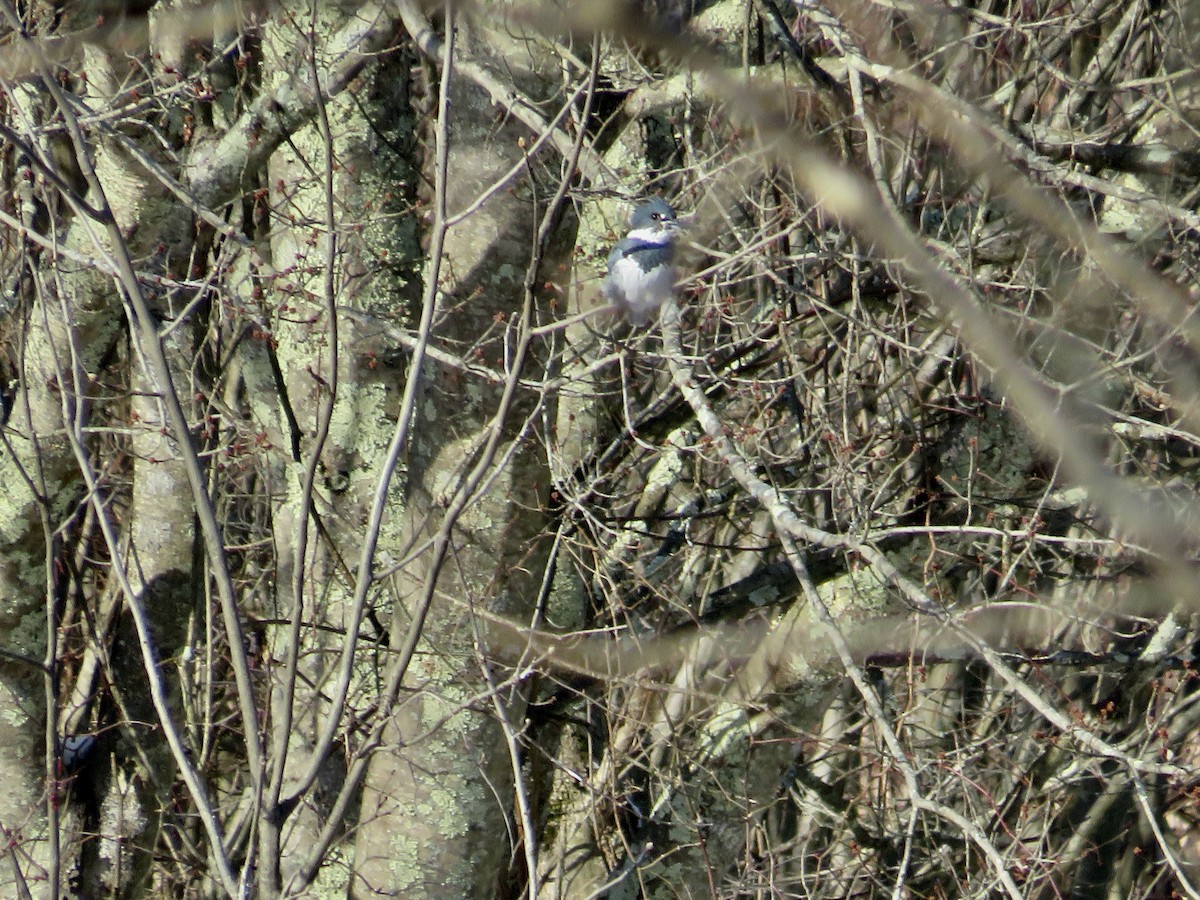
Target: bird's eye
[(657, 217)]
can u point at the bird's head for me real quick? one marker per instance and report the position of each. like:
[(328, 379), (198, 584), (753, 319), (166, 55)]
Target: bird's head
[(654, 222)]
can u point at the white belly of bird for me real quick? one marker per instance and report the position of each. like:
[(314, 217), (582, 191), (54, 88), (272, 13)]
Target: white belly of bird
[(644, 291)]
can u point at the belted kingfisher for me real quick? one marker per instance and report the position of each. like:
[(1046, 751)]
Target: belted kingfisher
[(641, 269)]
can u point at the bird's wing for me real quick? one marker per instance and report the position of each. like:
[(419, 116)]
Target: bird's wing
[(619, 250), (611, 289)]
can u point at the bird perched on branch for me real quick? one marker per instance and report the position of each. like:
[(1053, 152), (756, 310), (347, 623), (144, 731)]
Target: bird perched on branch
[(641, 268)]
